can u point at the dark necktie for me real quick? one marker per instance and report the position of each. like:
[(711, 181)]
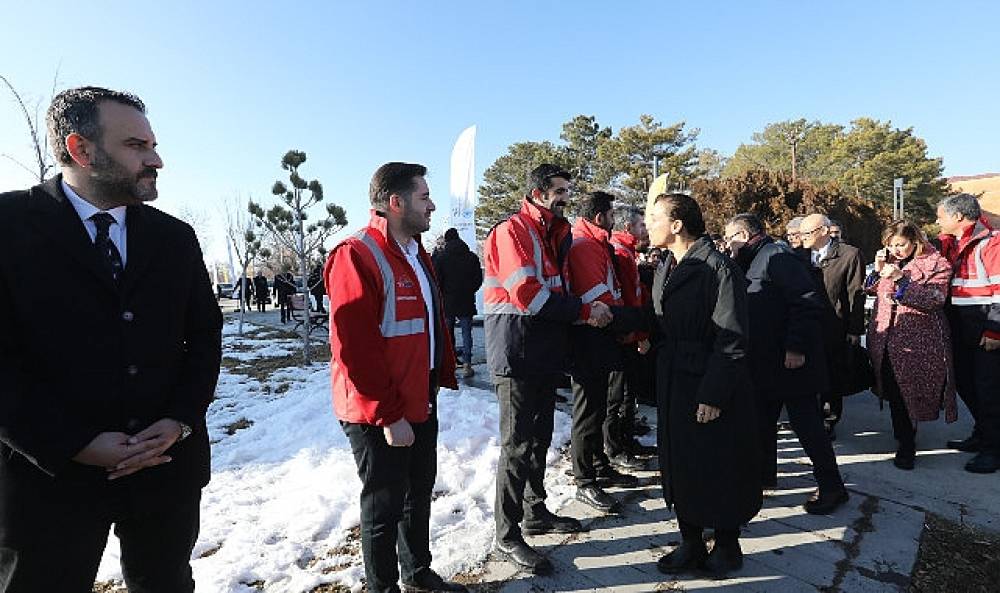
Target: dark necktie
[(105, 246)]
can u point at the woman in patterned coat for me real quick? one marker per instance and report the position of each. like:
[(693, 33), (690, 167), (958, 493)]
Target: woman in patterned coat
[(908, 337)]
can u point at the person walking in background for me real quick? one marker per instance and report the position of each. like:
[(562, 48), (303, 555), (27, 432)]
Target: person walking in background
[(838, 268), (908, 338), (528, 314), (284, 287), (709, 461), (787, 361), (316, 288), (837, 231), (973, 249), (389, 354), (460, 274), (260, 291), (246, 293)]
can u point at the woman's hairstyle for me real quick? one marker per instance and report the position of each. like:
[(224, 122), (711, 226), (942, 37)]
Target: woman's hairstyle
[(682, 207), (907, 230)]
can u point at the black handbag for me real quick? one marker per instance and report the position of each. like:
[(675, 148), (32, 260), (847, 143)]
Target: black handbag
[(861, 374)]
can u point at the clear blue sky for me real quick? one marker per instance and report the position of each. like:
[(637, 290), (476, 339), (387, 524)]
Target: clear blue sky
[(231, 86)]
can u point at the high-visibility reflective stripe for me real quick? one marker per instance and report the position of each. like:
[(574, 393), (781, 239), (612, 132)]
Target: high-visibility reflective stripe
[(554, 282), (491, 282), (594, 292), (977, 300), (536, 303), (981, 278), (516, 276), (391, 328)]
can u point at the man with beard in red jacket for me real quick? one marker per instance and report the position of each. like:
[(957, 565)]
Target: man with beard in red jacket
[(390, 351)]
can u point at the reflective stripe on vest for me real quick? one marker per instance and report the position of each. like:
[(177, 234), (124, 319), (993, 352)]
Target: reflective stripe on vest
[(520, 274), (391, 328), (981, 280)]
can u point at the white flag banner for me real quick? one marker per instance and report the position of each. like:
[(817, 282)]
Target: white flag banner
[(463, 186)]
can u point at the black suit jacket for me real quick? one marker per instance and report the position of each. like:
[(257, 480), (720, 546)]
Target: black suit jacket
[(80, 355)]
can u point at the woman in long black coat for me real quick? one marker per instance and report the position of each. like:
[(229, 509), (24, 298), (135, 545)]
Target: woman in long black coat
[(707, 427)]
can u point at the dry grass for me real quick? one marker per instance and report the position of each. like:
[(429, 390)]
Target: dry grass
[(989, 187), (955, 557)]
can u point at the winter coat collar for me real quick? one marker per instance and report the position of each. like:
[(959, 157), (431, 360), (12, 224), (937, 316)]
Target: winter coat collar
[(544, 219), (952, 247), (585, 228), (380, 225), (626, 240)]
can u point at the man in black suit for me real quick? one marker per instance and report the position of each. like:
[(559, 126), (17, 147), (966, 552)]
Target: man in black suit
[(105, 389)]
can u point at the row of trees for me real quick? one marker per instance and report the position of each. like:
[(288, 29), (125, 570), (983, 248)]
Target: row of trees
[(790, 168)]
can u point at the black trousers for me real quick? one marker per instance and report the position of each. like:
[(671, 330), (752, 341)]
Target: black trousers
[(691, 532), (902, 427), (590, 409), (527, 407), (52, 536), (284, 308), (396, 488), (807, 422), (620, 415), (977, 374)]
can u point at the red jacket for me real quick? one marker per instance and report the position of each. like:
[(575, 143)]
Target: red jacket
[(525, 300), (975, 257), (633, 292), (592, 267), (380, 355)]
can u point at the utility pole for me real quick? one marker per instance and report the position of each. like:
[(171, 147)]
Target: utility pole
[(897, 198)]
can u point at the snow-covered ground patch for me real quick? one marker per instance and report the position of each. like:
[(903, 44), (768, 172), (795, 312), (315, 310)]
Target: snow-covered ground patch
[(281, 511)]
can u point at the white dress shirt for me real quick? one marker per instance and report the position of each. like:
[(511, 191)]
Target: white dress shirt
[(85, 210), (819, 255), (412, 252)]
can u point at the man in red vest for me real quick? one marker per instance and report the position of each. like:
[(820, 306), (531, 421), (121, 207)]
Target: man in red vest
[(390, 351)]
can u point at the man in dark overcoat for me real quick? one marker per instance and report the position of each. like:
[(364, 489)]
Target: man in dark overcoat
[(105, 390), (840, 270), (787, 362)]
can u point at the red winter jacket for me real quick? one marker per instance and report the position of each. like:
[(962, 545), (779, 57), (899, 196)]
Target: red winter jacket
[(975, 285), (633, 292), (525, 301), (380, 359)]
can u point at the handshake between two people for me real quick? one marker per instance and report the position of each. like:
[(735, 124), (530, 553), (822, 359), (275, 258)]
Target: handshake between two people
[(600, 314)]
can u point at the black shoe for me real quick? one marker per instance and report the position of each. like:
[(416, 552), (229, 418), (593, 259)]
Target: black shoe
[(724, 559), (824, 504), (686, 557), (640, 450), (904, 460), (985, 462), (612, 477), (626, 461), (524, 557), (972, 444), (597, 498), (545, 521), (427, 580)]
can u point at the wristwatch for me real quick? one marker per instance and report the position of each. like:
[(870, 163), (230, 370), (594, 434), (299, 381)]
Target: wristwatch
[(185, 431)]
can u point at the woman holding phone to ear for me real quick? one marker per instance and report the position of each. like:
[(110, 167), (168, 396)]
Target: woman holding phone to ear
[(908, 338)]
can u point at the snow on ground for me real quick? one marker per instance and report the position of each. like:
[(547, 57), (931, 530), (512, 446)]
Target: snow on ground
[(284, 492)]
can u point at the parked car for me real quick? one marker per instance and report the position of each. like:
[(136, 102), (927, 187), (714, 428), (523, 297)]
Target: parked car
[(224, 290)]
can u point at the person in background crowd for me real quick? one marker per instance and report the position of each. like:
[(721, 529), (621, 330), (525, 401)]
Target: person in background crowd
[(284, 287), (389, 354), (709, 461), (908, 338), (792, 232), (596, 356), (632, 384), (528, 314), (839, 269), (837, 231), (787, 361), (460, 274), (973, 249), (260, 291), (246, 292), (316, 288)]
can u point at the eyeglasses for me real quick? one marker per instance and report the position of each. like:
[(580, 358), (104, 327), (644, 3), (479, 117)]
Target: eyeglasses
[(812, 232)]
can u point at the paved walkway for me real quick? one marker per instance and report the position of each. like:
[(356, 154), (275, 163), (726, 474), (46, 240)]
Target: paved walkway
[(869, 545)]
